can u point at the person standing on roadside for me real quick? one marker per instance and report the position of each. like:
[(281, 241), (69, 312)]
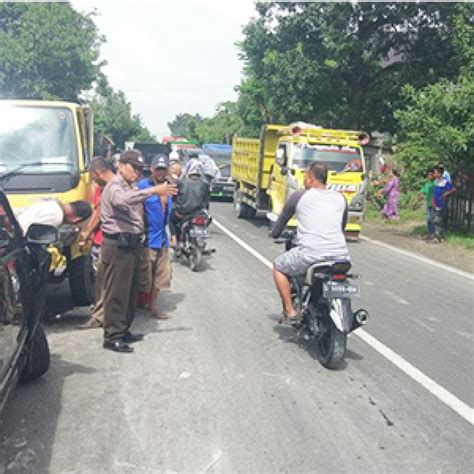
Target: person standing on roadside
[(121, 216), (442, 190), (445, 173), (427, 191), (102, 171), (391, 192), (157, 216)]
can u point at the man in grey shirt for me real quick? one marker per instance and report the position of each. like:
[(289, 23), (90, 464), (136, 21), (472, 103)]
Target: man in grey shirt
[(322, 216), (121, 215)]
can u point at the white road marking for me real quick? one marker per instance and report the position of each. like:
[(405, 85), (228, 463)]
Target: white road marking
[(395, 297), (433, 320), (420, 258), (216, 456), (421, 323), (443, 395), (369, 283)]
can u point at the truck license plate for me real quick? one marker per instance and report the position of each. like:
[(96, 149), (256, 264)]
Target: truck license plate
[(337, 289)]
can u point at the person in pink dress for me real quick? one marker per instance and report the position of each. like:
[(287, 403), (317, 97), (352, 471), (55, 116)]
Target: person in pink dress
[(391, 192)]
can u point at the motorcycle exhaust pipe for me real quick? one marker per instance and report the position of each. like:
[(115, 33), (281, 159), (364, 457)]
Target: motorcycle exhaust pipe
[(361, 316)]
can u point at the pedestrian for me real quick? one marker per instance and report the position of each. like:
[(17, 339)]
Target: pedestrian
[(442, 190), (427, 191), (445, 174), (157, 216), (102, 171), (175, 170), (53, 212), (121, 215), (391, 192)]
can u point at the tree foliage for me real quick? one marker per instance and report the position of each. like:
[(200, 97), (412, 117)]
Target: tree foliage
[(343, 64), (222, 126), (47, 51), (185, 125), (437, 124)]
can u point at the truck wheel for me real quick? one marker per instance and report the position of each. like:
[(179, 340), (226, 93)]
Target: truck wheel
[(81, 280), (241, 210), (38, 356)]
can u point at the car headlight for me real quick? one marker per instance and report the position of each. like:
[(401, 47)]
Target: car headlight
[(357, 203)]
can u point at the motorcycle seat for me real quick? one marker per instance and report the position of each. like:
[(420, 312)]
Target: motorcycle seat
[(327, 267)]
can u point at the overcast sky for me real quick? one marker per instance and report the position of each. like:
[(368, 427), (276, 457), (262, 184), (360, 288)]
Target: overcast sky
[(171, 56)]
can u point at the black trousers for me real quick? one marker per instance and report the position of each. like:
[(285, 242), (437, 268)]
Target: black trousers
[(121, 287)]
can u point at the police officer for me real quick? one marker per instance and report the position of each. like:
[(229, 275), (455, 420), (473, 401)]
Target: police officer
[(122, 224)]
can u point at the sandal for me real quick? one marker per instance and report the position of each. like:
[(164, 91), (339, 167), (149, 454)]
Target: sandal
[(285, 319)]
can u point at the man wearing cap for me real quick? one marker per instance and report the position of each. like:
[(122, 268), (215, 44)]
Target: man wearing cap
[(122, 224), (157, 216), (193, 196)]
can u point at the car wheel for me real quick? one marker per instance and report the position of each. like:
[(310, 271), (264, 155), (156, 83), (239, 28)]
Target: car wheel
[(38, 358), (81, 280)]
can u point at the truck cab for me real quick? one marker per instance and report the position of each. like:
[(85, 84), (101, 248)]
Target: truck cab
[(48, 146), (340, 150)]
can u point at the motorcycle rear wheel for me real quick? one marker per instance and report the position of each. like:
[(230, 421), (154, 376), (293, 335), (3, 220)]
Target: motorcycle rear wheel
[(195, 258), (332, 342)]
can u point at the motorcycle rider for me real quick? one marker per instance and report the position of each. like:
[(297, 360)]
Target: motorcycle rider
[(322, 216), (193, 196)]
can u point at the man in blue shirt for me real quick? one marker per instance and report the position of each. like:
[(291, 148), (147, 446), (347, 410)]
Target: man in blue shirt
[(441, 192), (157, 215)]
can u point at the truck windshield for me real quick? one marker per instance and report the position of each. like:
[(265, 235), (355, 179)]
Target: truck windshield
[(336, 158), (37, 134)]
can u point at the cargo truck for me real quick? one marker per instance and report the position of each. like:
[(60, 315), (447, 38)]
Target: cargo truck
[(45, 148), (266, 171)]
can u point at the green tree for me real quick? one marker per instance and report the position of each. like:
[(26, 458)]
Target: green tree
[(184, 125), (47, 51), (437, 123), (222, 126), (113, 117), (344, 64)]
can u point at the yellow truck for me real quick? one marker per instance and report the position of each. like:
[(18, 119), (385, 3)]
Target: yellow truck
[(267, 170), (48, 146)]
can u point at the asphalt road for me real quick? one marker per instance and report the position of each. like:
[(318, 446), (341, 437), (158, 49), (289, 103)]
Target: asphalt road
[(223, 388)]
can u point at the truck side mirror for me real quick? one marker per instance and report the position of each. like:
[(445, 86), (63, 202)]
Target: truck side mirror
[(281, 156), (40, 234)]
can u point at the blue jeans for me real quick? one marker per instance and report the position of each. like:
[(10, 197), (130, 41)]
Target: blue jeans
[(429, 220)]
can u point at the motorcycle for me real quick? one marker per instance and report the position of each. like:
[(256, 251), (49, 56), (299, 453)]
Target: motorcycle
[(323, 299), (193, 240)]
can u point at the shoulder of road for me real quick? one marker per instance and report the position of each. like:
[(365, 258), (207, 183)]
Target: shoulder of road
[(397, 236)]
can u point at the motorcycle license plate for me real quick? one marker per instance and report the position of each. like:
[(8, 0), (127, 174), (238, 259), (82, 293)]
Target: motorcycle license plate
[(338, 289), (199, 232)]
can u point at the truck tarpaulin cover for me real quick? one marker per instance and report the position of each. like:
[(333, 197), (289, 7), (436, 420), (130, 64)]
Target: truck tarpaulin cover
[(216, 149)]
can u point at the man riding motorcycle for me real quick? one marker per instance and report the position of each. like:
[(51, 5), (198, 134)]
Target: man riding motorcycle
[(193, 196), (321, 215)]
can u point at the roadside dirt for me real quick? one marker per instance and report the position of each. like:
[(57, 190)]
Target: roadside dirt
[(398, 234)]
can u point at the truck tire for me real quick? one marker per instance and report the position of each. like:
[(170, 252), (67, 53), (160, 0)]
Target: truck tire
[(81, 280), (241, 210), (38, 359)]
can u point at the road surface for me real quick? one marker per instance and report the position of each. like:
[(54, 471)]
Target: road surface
[(221, 387)]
